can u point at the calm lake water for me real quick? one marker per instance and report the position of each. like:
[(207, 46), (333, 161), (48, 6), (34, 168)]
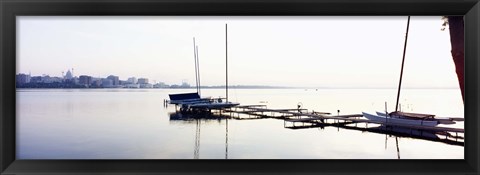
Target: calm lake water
[(134, 124)]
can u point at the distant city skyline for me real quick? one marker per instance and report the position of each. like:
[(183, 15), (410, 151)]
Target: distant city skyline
[(132, 80), (269, 51)]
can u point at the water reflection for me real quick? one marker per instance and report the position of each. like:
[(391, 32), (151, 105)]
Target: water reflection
[(196, 151), (226, 138), (389, 131), (396, 143), (49, 129), (393, 131), (198, 117), (398, 148)]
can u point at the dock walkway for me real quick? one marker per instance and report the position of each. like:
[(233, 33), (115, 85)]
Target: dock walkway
[(315, 119), (321, 117)]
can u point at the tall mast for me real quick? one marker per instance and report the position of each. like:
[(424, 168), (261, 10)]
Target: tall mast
[(226, 91), (403, 61), (195, 58), (226, 62), (198, 69)]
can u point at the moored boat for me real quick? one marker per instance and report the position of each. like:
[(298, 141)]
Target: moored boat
[(193, 101), (418, 116), (400, 120), (213, 104)]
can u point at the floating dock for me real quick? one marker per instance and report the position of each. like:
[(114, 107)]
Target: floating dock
[(303, 118), (296, 115)]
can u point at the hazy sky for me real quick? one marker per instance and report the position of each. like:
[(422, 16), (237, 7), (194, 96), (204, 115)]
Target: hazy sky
[(276, 51)]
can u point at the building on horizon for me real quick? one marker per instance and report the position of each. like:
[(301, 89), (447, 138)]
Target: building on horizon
[(122, 82), (160, 85), (132, 86), (96, 82), (146, 85), (115, 80), (132, 80), (36, 79), (23, 78), (185, 85), (85, 80), (45, 79), (48, 79), (142, 81), (107, 83), (69, 75)]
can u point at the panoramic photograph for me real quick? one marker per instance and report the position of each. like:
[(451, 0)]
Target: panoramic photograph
[(239, 87)]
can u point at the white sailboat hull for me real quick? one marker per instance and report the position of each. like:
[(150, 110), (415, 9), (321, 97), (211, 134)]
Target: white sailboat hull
[(445, 120), (382, 118)]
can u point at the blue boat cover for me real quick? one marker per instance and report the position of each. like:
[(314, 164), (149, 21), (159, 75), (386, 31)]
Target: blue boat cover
[(186, 96)]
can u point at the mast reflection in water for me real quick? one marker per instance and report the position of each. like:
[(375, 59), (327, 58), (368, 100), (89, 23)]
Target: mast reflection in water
[(197, 118)]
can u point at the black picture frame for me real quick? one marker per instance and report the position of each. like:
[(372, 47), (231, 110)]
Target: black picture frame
[(9, 9)]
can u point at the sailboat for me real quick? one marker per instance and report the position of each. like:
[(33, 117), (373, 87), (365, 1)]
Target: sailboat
[(398, 117), (402, 118), (192, 101)]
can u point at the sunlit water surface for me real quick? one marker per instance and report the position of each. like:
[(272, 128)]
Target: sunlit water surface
[(134, 124)]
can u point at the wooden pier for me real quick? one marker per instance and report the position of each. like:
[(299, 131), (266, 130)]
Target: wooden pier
[(303, 118), (298, 115)]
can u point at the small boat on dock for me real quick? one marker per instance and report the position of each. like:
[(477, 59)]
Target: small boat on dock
[(213, 103), (441, 120), (398, 119), (192, 101)]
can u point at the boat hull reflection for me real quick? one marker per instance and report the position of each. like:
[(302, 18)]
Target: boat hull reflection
[(200, 115)]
